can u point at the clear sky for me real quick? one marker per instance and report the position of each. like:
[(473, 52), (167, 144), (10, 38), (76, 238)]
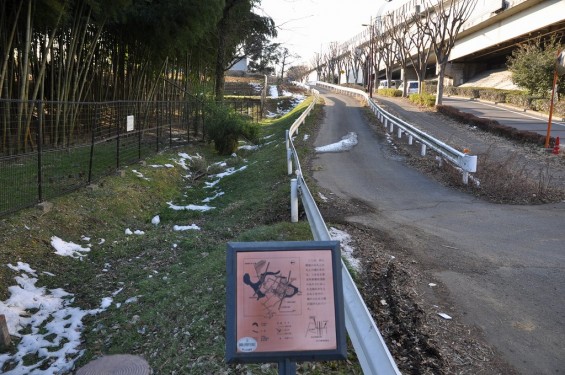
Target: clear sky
[(308, 26)]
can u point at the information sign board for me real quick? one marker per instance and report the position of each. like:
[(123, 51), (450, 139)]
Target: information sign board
[(284, 301)]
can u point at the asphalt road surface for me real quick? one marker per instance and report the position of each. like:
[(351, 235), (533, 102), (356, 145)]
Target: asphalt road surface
[(503, 265), (508, 116)]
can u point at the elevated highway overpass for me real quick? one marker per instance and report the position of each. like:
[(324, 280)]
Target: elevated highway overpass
[(494, 29)]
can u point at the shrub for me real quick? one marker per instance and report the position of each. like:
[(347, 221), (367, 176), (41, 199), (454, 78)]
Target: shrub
[(389, 92), (224, 127), (424, 99), (493, 95), (520, 99), (543, 105)]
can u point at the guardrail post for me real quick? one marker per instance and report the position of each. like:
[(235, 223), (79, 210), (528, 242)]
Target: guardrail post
[(410, 139), (399, 133), (469, 164), (289, 161), (391, 129), (423, 150), (287, 139), (465, 177), (294, 200)]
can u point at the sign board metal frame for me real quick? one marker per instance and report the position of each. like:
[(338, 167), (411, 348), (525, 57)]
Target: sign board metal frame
[(284, 302)]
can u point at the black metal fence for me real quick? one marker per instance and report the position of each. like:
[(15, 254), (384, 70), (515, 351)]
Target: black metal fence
[(48, 149)]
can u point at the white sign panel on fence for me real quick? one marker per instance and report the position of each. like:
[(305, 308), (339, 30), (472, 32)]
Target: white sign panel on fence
[(130, 123)]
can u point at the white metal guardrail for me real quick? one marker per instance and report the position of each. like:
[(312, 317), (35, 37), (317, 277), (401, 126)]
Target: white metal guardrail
[(467, 163), (371, 350)]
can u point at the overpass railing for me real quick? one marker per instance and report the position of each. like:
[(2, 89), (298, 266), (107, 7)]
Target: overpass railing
[(465, 162), (372, 352)]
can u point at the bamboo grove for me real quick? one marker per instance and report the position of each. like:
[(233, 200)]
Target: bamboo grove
[(76, 51)]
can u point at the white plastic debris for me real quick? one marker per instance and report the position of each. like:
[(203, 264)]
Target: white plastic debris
[(444, 316)]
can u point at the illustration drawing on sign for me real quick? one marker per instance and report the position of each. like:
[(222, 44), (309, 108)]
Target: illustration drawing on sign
[(271, 288)]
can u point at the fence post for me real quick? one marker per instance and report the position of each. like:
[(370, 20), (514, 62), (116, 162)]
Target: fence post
[(423, 150), (94, 127), (294, 200), (118, 132), (138, 116), (160, 108), (40, 152), (171, 124)]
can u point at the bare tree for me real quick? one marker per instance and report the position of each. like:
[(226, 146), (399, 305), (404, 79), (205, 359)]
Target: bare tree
[(356, 54), (386, 49), (398, 26), (298, 73), (316, 62), (420, 42), (285, 59), (347, 60), (443, 26), (333, 59)]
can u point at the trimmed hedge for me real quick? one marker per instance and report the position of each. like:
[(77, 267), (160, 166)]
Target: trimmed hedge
[(514, 97), (493, 126)]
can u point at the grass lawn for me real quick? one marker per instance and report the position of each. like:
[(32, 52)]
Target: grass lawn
[(163, 290)]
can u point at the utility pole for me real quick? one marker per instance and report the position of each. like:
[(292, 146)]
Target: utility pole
[(370, 67)]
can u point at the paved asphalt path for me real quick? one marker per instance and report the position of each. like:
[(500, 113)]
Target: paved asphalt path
[(509, 116), (503, 265)]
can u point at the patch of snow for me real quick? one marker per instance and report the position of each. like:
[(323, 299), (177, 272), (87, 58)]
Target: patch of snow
[(106, 302), (23, 267), (132, 300), (347, 142), (209, 199), (346, 249), (68, 249), (249, 147), (257, 87), (186, 227), (229, 172), (140, 175), (190, 207), (273, 91), (53, 326), (156, 220)]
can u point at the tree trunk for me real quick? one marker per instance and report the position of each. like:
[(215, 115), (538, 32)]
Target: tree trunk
[(441, 76)]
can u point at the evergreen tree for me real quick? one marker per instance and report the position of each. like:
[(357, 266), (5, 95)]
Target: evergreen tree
[(532, 65)]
